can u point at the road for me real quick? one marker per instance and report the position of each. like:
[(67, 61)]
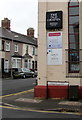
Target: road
[(17, 85), (11, 113)]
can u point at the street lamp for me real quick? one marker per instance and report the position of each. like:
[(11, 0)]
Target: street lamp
[(12, 51)]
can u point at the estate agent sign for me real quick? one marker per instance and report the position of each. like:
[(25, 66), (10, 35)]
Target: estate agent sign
[(54, 20)]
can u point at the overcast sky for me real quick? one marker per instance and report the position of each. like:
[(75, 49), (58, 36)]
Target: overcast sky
[(22, 13)]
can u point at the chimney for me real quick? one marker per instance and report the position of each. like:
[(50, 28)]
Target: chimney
[(30, 32), (5, 23)]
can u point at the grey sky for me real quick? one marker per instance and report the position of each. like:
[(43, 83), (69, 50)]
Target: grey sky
[(22, 13)]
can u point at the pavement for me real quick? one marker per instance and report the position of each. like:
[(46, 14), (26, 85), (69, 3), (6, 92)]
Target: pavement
[(28, 101)]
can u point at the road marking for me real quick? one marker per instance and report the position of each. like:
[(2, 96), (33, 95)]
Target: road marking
[(32, 110), (6, 104), (17, 93)]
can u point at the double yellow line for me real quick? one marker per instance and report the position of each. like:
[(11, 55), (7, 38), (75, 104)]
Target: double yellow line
[(16, 93), (25, 109), (42, 111)]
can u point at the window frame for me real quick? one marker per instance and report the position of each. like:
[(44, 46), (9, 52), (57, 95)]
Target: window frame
[(33, 50), (6, 66), (71, 43), (16, 62), (7, 46), (16, 47)]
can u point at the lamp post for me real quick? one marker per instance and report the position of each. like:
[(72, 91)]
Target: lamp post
[(12, 50)]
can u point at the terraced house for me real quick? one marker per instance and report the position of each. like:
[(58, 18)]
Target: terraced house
[(16, 50)]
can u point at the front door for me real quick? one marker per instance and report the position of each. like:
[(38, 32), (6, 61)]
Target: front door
[(2, 65)]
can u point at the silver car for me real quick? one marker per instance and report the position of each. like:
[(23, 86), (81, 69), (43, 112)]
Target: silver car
[(23, 73)]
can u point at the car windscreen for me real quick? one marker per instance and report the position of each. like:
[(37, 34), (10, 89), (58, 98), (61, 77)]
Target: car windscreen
[(25, 70)]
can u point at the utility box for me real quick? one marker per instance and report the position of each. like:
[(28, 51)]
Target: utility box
[(73, 92)]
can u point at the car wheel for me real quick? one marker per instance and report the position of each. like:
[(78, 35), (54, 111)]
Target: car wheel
[(33, 76), (24, 76)]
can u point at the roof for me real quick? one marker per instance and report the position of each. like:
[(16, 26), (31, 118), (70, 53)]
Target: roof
[(11, 35), (17, 55), (27, 56)]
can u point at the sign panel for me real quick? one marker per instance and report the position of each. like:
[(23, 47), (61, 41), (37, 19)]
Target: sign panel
[(54, 20), (54, 56), (58, 83), (54, 40)]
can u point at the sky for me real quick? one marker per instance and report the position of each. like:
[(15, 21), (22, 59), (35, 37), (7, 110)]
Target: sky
[(22, 13)]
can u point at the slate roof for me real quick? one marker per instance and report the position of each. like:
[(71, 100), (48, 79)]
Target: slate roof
[(8, 34)]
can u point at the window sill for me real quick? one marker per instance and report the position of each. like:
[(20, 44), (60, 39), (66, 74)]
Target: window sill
[(7, 50)]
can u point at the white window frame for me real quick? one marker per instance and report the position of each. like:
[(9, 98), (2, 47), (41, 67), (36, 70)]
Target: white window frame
[(16, 47), (16, 65), (28, 64), (33, 50), (7, 46), (6, 66)]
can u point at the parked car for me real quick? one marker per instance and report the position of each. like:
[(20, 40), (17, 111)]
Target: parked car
[(35, 72), (22, 73)]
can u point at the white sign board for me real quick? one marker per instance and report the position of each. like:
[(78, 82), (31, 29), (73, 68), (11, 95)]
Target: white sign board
[(54, 56), (58, 83), (54, 40)]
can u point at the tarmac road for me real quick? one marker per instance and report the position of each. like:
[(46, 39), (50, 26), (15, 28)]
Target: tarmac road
[(17, 85), (10, 86), (19, 113)]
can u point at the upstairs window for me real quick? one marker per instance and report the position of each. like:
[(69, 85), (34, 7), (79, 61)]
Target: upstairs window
[(27, 49), (73, 35), (7, 46), (33, 51), (16, 48)]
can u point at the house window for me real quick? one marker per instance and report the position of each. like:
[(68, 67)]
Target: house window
[(33, 51), (27, 49), (7, 46), (73, 36), (29, 64), (6, 66), (16, 63), (16, 48), (26, 63)]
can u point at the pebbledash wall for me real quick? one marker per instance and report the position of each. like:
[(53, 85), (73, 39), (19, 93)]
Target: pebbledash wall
[(54, 76)]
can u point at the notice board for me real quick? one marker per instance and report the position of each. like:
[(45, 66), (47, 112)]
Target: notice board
[(54, 48), (54, 40)]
